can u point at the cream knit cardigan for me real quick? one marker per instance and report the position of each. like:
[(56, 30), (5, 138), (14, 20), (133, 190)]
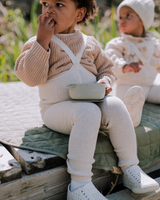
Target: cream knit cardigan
[(35, 65), (121, 52)]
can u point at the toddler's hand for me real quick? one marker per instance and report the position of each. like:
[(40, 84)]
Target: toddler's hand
[(107, 85), (132, 67), (45, 30)]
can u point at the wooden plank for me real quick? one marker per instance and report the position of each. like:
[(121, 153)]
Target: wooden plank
[(49, 185), (129, 195), (10, 169), (33, 162)]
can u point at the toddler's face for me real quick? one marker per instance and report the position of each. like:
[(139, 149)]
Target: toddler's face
[(129, 22), (63, 12)]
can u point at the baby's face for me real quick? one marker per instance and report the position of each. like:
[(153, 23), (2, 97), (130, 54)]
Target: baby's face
[(63, 12), (129, 22)]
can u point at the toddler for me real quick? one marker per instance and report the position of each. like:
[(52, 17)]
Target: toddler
[(61, 55), (136, 57)]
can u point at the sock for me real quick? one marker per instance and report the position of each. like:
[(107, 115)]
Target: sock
[(76, 185)]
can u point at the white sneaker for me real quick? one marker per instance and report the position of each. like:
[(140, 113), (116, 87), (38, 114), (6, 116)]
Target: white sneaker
[(87, 192), (134, 101), (138, 181)]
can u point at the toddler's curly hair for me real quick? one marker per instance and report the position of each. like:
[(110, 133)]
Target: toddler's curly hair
[(91, 6)]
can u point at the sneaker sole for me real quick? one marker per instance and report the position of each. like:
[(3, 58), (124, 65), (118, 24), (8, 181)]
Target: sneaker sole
[(134, 101)]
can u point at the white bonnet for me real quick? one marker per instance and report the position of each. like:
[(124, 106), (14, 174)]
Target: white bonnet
[(144, 9)]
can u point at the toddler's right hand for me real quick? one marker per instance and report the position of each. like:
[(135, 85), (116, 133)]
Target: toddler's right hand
[(132, 67), (45, 30)]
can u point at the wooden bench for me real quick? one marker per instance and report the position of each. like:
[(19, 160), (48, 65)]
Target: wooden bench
[(44, 176), (33, 180)]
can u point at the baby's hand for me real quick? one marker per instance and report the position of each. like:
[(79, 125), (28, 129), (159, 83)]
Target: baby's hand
[(132, 67), (45, 30), (107, 85)]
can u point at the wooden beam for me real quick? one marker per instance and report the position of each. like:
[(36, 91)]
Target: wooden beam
[(33, 162), (49, 185), (10, 169)]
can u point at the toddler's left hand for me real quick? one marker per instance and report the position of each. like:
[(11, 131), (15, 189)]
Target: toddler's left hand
[(132, 67), (107, 85)]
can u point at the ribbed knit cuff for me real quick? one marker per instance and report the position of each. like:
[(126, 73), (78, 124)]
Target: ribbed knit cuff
[(105, 79)]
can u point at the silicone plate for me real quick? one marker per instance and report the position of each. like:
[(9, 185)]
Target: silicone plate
[(90, 100)]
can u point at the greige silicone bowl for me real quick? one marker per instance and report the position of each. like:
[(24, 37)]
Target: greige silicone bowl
[(87, 91)]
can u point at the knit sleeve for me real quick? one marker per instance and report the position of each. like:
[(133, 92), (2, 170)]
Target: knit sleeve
[(114, 50), (105, 68), (32, 65)]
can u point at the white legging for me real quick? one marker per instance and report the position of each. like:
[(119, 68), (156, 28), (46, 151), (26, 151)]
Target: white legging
[(152, 93), (82, 120)]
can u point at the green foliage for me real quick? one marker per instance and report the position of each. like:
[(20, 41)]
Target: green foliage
[(34, 23), (113, 26), (103, 29), (15, 30)]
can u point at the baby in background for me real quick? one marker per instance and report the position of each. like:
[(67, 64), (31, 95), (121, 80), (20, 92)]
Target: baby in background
[(136, 57)]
